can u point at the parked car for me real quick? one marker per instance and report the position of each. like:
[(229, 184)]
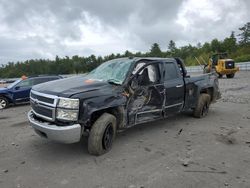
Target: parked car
[(19, 91), (116, 95), (2, 82)]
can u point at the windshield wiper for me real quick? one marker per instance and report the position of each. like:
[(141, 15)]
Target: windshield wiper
[(114, 81)]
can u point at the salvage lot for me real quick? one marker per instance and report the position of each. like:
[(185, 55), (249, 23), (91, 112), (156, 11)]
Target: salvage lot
[(177, 152)]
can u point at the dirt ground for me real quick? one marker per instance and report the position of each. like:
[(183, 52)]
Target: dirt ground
[(177, 152)]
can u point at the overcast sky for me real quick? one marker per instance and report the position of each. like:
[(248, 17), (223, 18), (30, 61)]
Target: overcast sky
[(46, 28)]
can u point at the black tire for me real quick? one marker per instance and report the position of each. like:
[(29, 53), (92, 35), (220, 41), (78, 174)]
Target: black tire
[(220, 75), (4, 103), (230, 75), (202, 107), (102, 134)]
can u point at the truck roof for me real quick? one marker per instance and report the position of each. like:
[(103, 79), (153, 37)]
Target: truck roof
[(44, 75), (146, 58)]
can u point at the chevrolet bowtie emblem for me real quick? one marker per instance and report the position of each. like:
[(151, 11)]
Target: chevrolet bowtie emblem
[(35, 101)]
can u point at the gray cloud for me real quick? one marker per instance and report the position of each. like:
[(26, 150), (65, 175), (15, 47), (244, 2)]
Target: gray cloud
[(44, 28)]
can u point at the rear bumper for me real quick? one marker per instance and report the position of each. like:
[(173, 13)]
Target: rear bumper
[(229, 71), (63, 134)]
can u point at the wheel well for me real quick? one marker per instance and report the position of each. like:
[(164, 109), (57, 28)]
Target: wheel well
[(6, 98), (209, 91), (118, 112)]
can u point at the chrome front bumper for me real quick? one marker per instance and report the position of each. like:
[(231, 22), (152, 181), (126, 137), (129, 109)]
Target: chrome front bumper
[(63, 134)]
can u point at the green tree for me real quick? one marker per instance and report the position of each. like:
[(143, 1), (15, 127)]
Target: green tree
[(206, 47), (216, 46), (229, 44), (155, 50), (199, 45), (128, 54), (171, 46), (245, 34)]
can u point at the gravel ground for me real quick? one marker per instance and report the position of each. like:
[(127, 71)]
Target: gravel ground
[(177, 152)]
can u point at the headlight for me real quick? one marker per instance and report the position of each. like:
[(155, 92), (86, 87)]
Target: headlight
[(67, 109), (68, 103), (64, 114)]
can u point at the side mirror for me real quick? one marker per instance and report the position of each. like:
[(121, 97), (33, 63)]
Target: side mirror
[(17, 87)]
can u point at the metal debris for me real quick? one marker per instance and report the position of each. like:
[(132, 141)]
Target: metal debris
[(180, 131)]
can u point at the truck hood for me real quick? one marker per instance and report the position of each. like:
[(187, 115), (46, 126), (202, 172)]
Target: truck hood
[(71, 86)]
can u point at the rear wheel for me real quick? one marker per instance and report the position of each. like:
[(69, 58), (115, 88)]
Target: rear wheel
[(202, 107), (230, 75), (4, 103), (102, 134)]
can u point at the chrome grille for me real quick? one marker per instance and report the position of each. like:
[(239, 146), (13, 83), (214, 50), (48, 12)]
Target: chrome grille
[(42, 98), (43, 105), (46, 112)]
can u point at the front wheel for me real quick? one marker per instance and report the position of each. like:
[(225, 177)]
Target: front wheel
[(230, 75), (202, 107), (4, 103), (102, 134), (220, 75)]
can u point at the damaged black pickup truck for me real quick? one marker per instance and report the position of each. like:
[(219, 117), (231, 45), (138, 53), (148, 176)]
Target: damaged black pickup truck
[(117, 95)]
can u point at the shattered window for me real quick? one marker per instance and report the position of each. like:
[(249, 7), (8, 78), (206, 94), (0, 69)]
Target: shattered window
[(114, 70)]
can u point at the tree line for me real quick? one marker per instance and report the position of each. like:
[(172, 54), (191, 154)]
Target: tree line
[(237, 47)]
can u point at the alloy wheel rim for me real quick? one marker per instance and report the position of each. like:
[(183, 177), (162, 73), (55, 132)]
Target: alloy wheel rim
[(2, 104)]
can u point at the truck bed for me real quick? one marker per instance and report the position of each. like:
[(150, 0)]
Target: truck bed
[(197, 84)]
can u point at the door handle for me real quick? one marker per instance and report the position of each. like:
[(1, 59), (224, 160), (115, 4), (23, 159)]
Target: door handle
[(180, 85)]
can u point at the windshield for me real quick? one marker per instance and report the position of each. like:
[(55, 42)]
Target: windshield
[(14, 83), (112, 71)]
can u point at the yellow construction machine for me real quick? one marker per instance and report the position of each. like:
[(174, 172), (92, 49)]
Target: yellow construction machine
[(221, 65)]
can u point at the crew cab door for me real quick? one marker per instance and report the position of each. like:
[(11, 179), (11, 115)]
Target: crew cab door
[(146, 100), (174, 88)]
